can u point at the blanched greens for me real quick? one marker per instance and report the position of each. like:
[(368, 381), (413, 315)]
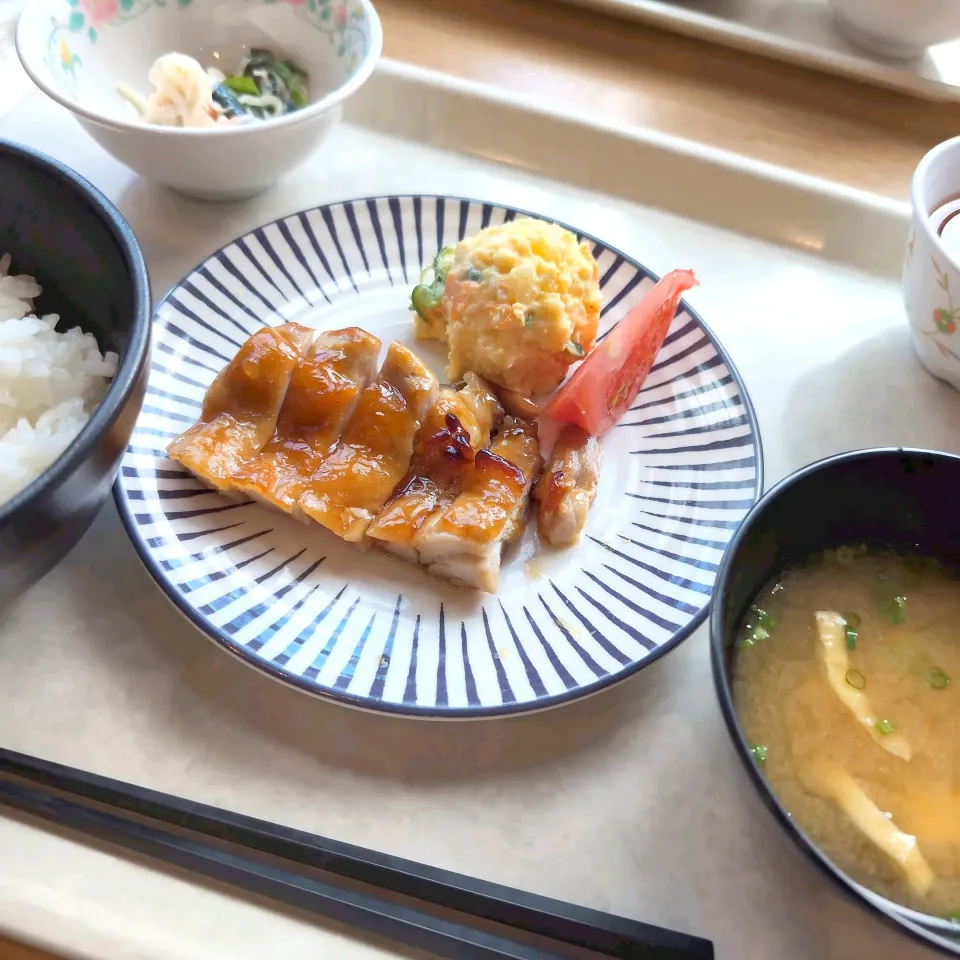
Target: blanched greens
[(264, 88)]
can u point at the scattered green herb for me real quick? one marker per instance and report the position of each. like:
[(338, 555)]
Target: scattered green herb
[(954, 916), (855, 679), (884, 726), (574, 348), (759, 753), (473, 275), (938, 678)]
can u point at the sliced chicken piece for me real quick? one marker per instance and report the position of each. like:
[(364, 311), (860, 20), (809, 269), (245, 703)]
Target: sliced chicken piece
[(457, 425), (516, 404), (568, 486), (465, 542), (829, 779), (354, 481), (324, 391), (832, 632), (241, 406)]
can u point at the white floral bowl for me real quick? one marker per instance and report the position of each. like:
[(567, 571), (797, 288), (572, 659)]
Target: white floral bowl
[(79, 51)]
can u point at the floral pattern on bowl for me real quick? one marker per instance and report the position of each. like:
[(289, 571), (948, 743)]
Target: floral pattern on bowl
[(341, 20)]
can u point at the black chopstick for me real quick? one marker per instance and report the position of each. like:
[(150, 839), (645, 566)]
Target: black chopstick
[(360, 910), (580, 926)]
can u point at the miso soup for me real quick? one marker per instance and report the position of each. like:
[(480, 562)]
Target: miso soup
[(847, 684)]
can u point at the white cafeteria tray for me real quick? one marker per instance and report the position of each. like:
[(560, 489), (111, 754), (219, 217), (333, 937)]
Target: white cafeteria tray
[(798, 31), (630, 801)]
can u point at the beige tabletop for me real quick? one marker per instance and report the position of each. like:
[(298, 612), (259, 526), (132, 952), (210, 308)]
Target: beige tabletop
[(857, 135)]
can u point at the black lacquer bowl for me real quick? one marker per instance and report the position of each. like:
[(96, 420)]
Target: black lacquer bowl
[(63, 231), (899, 497)]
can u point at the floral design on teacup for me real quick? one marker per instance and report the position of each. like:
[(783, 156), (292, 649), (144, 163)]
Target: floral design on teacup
[(341, 20), (945, 318)]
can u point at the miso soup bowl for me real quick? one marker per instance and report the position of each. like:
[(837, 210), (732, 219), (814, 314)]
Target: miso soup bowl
[(79, 51), (894, 496)]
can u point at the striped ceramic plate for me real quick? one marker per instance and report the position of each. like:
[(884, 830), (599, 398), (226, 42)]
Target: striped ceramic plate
[(679, 474)]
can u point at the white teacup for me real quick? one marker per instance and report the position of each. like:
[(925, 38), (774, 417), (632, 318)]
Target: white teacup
[(931, 270)]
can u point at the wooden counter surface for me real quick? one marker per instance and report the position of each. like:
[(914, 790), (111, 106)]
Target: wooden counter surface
[(823, 125), (858, 135)]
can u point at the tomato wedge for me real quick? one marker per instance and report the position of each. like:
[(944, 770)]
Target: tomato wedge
[(605, 384)]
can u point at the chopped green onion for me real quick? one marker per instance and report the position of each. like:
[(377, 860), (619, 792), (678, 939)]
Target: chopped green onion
[(901, 609), (759, 753), (753, 637), (938, 679), (574, 348), (855, 679), (884, 727), (895, 608), (243, 85), (851, 639), (758, 627), (473, 275), (763, 618), (297, 98)]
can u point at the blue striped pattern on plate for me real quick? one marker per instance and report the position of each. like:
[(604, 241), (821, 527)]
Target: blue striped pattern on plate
[(680, 472)]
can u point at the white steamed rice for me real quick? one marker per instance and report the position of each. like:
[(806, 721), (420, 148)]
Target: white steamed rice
[(49, 383)]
